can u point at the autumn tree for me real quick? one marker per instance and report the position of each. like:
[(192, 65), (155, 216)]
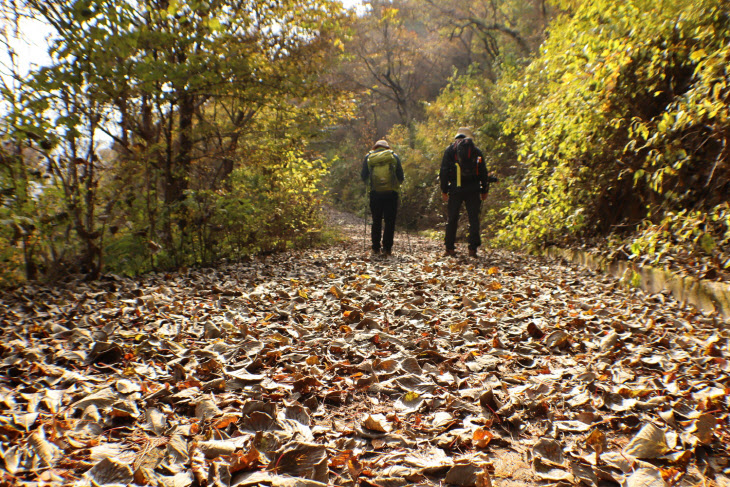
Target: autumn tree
[(487, 32), (186, 91), (473, 44), (621, 123), (394, 62)]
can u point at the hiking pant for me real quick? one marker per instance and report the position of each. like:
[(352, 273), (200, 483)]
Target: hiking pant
[(473, 203), (383, 206)]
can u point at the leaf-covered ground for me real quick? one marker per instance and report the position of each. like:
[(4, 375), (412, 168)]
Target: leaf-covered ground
[(328, 366)]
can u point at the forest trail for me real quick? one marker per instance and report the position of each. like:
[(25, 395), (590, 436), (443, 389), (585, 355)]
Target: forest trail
[(329, 366)]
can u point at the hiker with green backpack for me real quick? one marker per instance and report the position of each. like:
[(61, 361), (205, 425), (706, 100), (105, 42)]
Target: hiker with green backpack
[(383, 173)]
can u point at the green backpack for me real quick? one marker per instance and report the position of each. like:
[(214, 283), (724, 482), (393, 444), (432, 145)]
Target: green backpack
[(382, 171)]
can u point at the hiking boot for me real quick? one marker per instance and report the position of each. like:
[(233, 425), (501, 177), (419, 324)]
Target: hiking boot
[(387, 253), (472, 252), (450, 253), (375, 252)]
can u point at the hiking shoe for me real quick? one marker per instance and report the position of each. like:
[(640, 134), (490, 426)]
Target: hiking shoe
[(387, 253), (472, 252), (450, 253)]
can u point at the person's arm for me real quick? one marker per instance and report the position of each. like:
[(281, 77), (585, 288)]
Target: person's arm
[(444, 173), (398, 169), (483, 176), (365, 173)]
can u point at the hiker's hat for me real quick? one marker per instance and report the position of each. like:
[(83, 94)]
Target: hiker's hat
[(382, 143), (464, 133)]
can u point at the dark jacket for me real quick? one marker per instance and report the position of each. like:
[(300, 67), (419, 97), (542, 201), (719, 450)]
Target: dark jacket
[(447, 174), (365, 174)]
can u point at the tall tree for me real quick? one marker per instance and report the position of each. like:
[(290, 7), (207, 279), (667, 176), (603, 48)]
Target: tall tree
[(489, 30), (395, 61), (177, 85)]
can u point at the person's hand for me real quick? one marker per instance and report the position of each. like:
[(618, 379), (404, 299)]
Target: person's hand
[(483, 196), (445, 197)]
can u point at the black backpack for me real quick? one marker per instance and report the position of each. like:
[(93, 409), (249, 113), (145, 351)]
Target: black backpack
[(466, 161)]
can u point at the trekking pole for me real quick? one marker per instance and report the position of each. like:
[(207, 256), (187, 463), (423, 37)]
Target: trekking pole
[(365, 224), (365, 231), (408, 236)]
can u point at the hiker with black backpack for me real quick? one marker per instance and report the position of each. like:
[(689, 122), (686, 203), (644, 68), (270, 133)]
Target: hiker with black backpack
[(383, 173), (464, 179)]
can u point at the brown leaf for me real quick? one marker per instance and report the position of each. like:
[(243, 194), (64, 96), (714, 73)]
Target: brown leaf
[(464, 475), (609, 341), (557, 339), (245, 461), (483, 479), (429, 460), (550, 451), (216, 448), (101, 399), (354, 467), (458, 328), (46, 451), (534, 331), (156, 420), (490, 401), (572, 426), (302, 460), (482, 437), (645, 477), (341, 459), (649, 442), (226, 420), (206, 409), (584, 473), (703, 428), (11, 458), (25, 420), (376, 422), (336, 292), (597, 441), (468, 303), (109, 471)]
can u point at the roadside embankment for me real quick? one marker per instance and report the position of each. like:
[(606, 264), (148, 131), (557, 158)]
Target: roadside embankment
[(707, 296)]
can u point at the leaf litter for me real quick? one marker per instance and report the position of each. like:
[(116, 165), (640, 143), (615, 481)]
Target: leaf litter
[(329, 367)]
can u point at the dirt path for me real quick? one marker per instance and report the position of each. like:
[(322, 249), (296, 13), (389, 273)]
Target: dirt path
[(330, 366)]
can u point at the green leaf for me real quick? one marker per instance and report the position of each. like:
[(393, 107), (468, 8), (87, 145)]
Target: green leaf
[(707, 243)]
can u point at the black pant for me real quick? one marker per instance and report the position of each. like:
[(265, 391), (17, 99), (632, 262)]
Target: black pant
[(473, 203), (383, 206)]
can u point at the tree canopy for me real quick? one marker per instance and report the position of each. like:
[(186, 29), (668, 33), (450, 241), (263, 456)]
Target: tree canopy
[(168, 133), (134, 135)]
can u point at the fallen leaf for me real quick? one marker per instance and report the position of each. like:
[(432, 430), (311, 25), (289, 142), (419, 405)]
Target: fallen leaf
[(650, 442), (482, 437), (645, 477), (46, 451), (377, 422), (597, 441)]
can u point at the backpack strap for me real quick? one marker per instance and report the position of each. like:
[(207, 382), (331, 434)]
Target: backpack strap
[(370, 169), (391, 166), (457, 165)]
